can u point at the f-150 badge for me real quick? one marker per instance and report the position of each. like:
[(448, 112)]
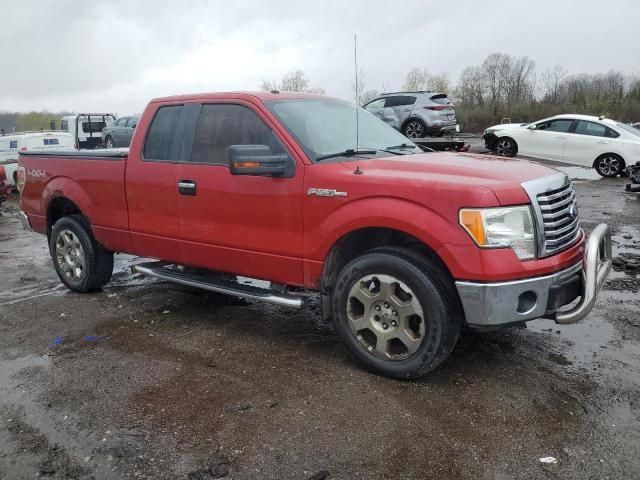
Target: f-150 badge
[(325, 192)]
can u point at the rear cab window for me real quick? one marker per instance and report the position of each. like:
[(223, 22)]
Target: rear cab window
[(162, 143)]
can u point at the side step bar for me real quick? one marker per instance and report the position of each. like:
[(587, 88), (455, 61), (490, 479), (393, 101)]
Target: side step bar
[(217, 282)]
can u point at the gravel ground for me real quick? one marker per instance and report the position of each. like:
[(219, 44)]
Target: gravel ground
[(146, 379)]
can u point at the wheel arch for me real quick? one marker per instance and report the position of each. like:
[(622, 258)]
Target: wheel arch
[(362, 240), (60, 206)]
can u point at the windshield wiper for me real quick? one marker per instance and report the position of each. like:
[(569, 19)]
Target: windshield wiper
[(350, 152), (402, 146)]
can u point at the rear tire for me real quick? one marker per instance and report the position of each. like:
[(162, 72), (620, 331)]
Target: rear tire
[(414, 128), (506, 147), (80, 262), (609, 165), (395, 312)]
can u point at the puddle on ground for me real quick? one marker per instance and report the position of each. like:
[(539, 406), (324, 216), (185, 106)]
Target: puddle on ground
[(625, 239), (579, 173), (588, 337)]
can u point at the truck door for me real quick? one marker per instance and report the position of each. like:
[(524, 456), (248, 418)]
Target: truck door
[(248, 225), (151, 184)]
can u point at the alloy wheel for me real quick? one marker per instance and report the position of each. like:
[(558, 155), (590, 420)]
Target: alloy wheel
[(609, 166), (414, 130), (385, 317), (70, 255), (504, 148)]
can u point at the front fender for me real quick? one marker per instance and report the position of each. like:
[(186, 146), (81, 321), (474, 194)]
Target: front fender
[(408, 217)]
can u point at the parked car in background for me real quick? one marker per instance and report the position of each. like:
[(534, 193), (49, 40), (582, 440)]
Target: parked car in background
[(598, 142), (86, 128), (415, 114), (119, 133), (39, 140)]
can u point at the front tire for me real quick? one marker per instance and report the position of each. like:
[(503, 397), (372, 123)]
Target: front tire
[(609, 165), (80, 262), (414, 128), (395, 313), (108, 142), (506, 147)]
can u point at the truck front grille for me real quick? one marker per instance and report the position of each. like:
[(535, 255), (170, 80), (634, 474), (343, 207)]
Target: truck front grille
[(559, 215)]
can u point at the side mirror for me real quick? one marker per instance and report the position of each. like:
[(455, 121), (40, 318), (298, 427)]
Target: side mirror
[(258, 160), (532, 126)]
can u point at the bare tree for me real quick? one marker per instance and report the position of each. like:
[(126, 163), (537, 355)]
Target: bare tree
[(472, 86), (440, 83), (417, 79), (294, 81), (358, 86), (551, 80)]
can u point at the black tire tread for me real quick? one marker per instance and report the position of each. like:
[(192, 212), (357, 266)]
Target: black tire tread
[(98, 260), (418, 265)]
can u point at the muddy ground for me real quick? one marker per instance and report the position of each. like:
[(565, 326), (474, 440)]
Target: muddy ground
[(146, 379)]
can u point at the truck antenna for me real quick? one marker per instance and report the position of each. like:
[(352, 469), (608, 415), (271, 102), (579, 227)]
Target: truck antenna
[(357, 171)]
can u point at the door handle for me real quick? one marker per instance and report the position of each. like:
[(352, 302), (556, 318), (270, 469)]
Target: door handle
[(187, 187), (602, 141), (561, 138)]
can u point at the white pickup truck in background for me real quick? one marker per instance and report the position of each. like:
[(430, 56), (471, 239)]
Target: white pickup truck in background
[(86, 128)]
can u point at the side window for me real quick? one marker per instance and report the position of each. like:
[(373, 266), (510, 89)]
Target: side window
[(160, 138), (13, 143), (132, 122), (611, 133), (591, 128), (222, 125), (557, 125), (399, 101), (64, 125), (375, 105), (120, 122)]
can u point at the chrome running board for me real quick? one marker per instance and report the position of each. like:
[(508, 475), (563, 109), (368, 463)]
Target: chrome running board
[(217, 282)]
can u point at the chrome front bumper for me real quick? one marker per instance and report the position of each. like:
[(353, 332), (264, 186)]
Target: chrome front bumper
[(503, 303), (24, 220)]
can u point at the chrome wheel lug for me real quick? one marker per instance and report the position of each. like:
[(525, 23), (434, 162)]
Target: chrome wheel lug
[(394, 313), (385, 326), (394, 323), (386, 305), (376, 318), (377, 308)]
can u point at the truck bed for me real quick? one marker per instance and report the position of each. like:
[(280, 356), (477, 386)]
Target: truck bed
[(116, 153)]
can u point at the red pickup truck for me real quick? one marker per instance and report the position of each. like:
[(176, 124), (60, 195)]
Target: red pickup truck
[(405, 247)]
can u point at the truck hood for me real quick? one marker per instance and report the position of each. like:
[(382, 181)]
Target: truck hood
[(502, 176)]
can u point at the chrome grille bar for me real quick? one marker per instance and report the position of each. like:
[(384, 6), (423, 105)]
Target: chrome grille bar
[(554, 203)]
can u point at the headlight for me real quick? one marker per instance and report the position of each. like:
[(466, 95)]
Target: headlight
[(501, 228), (490, 130)]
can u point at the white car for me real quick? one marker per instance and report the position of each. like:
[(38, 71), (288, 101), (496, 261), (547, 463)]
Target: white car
[(598, 142), (12, 143)]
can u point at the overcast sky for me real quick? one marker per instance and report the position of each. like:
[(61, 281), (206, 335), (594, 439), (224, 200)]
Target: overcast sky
[(116, 55)]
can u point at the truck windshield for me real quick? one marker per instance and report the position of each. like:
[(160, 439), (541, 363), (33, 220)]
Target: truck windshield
[(324, 127)]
